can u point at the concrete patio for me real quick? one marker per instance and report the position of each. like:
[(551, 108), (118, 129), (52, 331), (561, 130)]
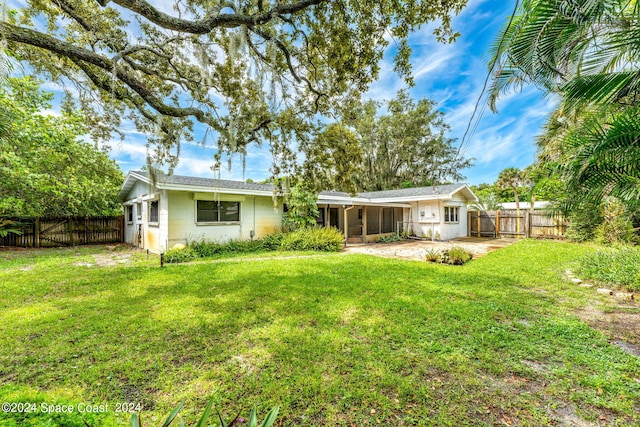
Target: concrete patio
[(417, 249)]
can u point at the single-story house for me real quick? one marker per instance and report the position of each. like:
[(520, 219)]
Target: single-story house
[(177, 209)]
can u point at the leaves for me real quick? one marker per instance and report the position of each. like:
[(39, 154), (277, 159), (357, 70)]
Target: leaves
[(261, 74), (45, 167)]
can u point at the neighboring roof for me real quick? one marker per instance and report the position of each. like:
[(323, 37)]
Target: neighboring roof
[(188, 183)]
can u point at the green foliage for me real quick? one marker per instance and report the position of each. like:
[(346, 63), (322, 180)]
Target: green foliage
[(433, 255), (322, 331), (489, 202), (590, 61), (389, 238), (334, 160), (455, 255), (273, 241), (207, 248), (616, 224), (313, 239), (511, 178), (173, 256), (203, 421), (302, 207), (45, 167), (583, 219), (404, 145), (8, 226), (619, 267), (245, 71)]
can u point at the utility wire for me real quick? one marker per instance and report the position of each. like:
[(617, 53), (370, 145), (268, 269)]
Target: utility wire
[(470, 131)]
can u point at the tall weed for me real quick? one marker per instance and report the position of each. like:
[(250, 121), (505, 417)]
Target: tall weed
[(620, 267)]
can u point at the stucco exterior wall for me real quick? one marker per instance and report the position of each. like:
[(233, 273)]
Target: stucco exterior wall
[(257, 215), (427, 218)]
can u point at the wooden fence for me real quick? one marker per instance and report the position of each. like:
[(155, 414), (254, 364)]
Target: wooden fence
[(508, 223), (66, 231)]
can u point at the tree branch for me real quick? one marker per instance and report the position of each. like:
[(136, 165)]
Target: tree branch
[(52, 44), (217, 20)]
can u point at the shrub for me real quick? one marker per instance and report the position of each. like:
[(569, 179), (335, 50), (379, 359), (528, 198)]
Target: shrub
[(313, 239), (205, 248), (389, 239), (455, 255), (273, 241), (433, 255), (179, 255), (620, 267), (458, 255)]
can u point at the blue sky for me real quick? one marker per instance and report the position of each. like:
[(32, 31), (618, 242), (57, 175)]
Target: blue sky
[(450, 74)]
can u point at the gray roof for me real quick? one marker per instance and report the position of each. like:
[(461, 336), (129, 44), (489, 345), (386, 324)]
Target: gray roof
[(403, 192), (209, 182), (190, 181)]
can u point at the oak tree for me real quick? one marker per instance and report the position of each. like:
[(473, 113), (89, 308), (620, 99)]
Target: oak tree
[(248, 70)]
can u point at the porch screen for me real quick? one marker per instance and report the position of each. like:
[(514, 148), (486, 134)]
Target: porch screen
[(387, 220), (373, 220)]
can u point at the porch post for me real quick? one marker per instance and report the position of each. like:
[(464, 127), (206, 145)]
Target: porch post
[(364, 224)]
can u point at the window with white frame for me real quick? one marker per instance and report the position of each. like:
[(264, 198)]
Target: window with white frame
[(451, 214), (212, 211), (153, 210), (139, 210), (129, 213)]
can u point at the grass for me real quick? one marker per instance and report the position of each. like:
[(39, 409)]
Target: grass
[(331, 339)]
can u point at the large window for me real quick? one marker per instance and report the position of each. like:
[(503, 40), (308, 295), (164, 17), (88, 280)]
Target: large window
[(451, 214), (153, 211), (212, 211)]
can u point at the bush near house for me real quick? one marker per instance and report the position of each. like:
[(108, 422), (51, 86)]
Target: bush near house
[(302, 239)]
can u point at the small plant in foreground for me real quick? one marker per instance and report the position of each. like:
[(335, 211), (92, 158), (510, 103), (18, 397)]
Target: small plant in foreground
[(253, 418), (432, 255)]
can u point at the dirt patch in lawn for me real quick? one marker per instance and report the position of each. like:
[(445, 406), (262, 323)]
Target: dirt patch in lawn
[(620, 322)]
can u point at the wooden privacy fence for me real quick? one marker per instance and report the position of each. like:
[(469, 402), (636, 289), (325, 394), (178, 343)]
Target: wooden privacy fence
[(66, 231), (510, 223)]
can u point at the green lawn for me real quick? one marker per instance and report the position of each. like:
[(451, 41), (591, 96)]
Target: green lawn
[(336, 340)]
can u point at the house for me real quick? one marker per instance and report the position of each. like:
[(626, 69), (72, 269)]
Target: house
[(177, 209)]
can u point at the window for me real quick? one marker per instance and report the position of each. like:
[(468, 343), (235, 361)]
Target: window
[(153, 211), (129, 213), (451, 214), (212, 211), (139, 210)]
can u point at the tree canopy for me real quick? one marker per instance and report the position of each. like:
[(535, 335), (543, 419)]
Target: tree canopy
[(586, 52), (382, 146), (45, 167), (249, 70)]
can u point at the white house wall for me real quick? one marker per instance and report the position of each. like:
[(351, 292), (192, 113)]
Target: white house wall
[(257, 214), (427, 218)]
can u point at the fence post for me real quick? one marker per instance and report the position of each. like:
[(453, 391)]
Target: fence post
[(479, 222), (528, 224), (497, 223), (36, 232)]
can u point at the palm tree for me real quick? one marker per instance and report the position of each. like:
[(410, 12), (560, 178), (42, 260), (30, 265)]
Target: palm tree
[(488, 203), (512, 178), (587, 52)]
